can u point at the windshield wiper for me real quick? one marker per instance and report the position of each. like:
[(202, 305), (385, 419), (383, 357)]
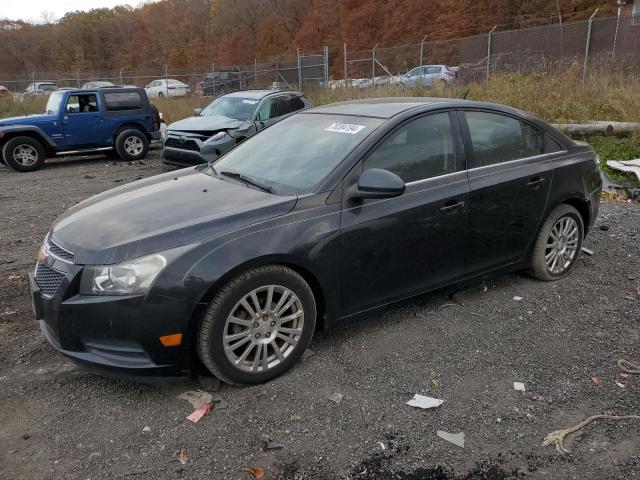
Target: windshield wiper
[(247, 180)]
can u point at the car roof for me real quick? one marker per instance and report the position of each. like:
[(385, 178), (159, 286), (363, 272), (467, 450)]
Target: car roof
[(258, 94), (391, 106)]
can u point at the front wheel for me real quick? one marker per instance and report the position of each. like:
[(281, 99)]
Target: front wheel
[(24, 154), (257, 326), (558, 244), (132, 145)]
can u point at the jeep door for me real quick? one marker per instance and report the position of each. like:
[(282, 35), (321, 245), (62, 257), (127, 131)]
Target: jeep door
[(398, 247), (510, 174), (81, 121)]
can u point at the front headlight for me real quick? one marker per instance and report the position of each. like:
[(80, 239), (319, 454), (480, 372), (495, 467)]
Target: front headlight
[(126, 278), (217, 137)]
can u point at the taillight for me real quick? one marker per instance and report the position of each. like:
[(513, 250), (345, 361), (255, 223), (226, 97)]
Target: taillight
[(449, 73)]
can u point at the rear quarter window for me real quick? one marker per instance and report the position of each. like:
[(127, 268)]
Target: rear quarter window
[(119, 101)]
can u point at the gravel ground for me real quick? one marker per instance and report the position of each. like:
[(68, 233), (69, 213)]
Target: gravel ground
[(58, 422)]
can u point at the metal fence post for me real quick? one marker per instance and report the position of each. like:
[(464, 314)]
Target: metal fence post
[(615, 37), (213, 79), (78, 77), (326, 65), (255, 72), (299, 71), (490, 37), (346, 72), (587, 45), (373, 63), (422, 49), (121, 80), (166, 78)]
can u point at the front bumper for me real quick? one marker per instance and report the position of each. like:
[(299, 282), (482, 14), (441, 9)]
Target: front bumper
[(186, 151), (113, 335)]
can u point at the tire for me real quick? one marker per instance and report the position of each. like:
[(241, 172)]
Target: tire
[(566, 225), (132, 144), (24, 154), (160, 95), (239, 366)]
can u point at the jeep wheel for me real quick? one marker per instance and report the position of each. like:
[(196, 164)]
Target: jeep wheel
[(132, 145), (24, 154)]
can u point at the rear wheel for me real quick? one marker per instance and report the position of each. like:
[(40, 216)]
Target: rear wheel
[(257, 326), (558, 244), (132, 145), (24, 154)]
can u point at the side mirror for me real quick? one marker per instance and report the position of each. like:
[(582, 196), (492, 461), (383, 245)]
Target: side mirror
[(379, 183), (197, 112)]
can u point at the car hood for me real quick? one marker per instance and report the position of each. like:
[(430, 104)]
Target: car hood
[(159, 213), (207, 124), (25, 119)]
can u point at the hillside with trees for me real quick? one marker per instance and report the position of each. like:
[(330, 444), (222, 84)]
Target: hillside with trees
[(197, 32)]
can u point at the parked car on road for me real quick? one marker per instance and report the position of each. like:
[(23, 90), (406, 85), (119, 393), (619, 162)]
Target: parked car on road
[(39, 89), (119, 121), (97, 84), (167, 88), (221, 82), (326, 215), (225, 122), (426, 75)]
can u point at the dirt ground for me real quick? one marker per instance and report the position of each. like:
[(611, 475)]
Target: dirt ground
[(58, 422)]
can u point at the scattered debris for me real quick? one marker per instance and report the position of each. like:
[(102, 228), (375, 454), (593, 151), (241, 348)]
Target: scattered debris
[(557, 437), (220, 404), (435, 383), (517, 298), (519, 386), (621, 385), (200, 412), (7, 311), (209, 383), (604, 228), (336, 398), (627, 166), (447, 305), (255, 472), (272, 444), (296, 418), (90, 177), (182, 456), (587, 251), (382, 445), (455, 438), (196, 397), (597, 382), (146, 430), (421, 401), (628, 367)]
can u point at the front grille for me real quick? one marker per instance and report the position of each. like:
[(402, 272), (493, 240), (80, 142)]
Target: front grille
[(186, 145), (48, 279), (58, 251)]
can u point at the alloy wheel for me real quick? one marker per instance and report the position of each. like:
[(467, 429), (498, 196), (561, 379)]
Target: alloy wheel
[(263, 328), (133, 146), (562, 245), (25, 155)]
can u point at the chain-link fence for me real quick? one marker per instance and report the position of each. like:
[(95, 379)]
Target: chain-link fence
[(594, 45)]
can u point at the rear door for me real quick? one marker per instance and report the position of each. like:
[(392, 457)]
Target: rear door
[(510, 174), (401, 246)]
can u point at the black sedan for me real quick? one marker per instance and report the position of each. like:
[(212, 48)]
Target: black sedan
[(329, 214)]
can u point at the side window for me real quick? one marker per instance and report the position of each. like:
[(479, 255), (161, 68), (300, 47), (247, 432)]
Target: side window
[(118, 101), (551, 145), (267, 110), (283, 104), (296, 103), (533, 141), (82, 104), (419, 150), (495, 138)]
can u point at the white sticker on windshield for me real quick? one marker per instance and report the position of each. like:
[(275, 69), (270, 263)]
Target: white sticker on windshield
[(344, 128), (250, 102)]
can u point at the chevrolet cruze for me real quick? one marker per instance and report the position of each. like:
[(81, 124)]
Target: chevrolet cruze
[(331, 213)]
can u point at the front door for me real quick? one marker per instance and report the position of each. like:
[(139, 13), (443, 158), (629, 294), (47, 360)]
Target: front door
[(81, 120), (510, 176), (402, 246)]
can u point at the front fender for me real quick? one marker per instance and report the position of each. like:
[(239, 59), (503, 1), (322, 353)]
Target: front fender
[(32, 129)]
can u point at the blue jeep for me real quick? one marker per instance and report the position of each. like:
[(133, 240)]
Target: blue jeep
[(118, 121)]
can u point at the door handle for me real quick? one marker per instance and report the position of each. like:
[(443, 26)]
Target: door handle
[(65, 120), (535, 182), (451, 206)]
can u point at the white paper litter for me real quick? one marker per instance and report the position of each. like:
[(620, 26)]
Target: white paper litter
[(420, 401), (631, 166), (518, 386), (455, 438), (517, 299)]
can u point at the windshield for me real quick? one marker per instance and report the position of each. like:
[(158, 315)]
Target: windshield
[(53, 104), (296, 154), (232, 107)]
